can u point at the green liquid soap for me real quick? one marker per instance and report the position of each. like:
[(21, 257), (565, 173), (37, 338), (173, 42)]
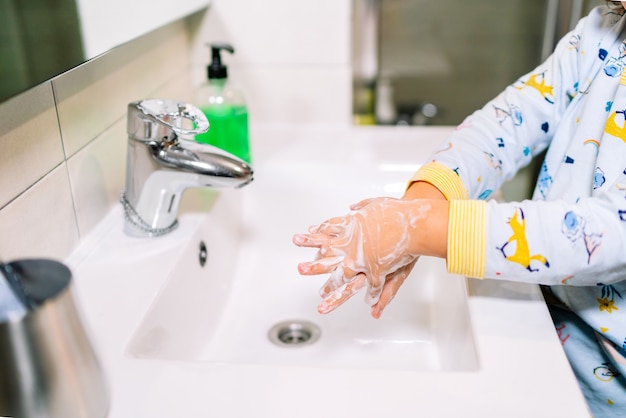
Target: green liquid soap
[(228, 129)]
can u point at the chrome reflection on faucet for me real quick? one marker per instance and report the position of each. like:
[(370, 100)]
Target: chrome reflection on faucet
[(163, 160)]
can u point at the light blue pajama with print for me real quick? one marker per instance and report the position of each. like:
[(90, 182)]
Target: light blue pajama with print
[(603, 383), (572, 235)]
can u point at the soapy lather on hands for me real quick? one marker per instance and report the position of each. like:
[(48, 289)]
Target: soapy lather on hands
[(375, 246), (569, 238)]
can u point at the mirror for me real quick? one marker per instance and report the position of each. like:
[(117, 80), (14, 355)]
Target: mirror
[(421, 62), (40, 39)]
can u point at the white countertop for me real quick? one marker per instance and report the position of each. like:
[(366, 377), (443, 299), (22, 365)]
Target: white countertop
[(522, 369)]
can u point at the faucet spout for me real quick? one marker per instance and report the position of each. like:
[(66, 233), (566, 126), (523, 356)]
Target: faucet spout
[(162, 162), (217, 168)]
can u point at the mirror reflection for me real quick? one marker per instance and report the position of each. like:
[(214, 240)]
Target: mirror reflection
[(420, 62), (38, 40)]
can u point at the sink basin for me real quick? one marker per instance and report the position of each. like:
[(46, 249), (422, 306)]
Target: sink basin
[(224, 287), (247, 303)]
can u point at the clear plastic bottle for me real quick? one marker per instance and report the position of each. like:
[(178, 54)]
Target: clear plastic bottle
[(225, 107)]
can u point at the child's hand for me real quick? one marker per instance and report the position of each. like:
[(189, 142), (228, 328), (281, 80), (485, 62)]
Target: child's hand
[(375, 246)]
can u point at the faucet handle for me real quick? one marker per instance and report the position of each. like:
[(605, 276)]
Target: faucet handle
[(155, 119)]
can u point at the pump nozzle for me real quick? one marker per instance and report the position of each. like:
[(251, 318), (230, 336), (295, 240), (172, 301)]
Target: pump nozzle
[(217, 69)]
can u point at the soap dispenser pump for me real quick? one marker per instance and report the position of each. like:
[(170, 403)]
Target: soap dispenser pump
[(224, 106)]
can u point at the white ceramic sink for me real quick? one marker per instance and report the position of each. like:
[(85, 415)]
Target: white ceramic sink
[(223, 311)]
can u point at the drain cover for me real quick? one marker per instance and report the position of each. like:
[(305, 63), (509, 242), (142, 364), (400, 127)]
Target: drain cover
[(294, 333)]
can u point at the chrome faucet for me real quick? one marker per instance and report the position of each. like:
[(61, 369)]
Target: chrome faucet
[(163, 160)]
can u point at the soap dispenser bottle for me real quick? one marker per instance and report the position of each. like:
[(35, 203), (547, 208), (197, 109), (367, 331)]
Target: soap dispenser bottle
[(225, 108)]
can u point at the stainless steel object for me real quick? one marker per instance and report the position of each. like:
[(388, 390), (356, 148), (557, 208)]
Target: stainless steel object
[(163, 161), (48, 367)]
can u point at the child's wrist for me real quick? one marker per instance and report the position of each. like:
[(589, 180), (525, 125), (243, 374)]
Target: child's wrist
[(422, 190), (429, 227)]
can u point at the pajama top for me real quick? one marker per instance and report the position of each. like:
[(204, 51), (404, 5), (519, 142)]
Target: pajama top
[(572, 235)]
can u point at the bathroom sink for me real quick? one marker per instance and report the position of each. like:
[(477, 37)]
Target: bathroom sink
[(233, 293)]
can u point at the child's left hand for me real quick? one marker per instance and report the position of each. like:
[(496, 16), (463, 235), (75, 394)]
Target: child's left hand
[(370, 247)]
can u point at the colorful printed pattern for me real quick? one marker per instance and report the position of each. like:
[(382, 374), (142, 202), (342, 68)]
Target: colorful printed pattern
[(606, 303), (573, 235), (522, 254)]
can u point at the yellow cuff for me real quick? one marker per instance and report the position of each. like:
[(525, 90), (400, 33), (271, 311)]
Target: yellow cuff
[(443, 178), (466, 238)]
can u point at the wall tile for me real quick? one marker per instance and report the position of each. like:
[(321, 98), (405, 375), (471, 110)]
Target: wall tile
[(292, 59), (41, 221), (178, 87), (64, 200), (38, 216), (93, 96), (292, 94), (97, 174), (278, 31), (30, 140), (103, 26), (98, 170)]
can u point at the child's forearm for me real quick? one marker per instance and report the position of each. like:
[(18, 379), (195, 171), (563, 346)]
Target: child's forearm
[(431, 235), (377, 245), (422, 190)]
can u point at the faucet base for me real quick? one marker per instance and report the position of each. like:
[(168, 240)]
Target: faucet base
[(134, 225)]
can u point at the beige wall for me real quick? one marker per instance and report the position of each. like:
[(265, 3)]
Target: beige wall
[(63, 160), (64, 142), (292, 58)]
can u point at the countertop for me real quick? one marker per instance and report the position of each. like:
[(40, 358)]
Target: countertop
[(522, 371)]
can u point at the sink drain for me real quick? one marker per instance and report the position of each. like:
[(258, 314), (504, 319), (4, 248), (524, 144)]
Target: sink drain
[(294, 333)]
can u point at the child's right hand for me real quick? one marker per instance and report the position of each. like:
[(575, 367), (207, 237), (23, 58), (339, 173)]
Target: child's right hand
[(375, 239), (378, 242)]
